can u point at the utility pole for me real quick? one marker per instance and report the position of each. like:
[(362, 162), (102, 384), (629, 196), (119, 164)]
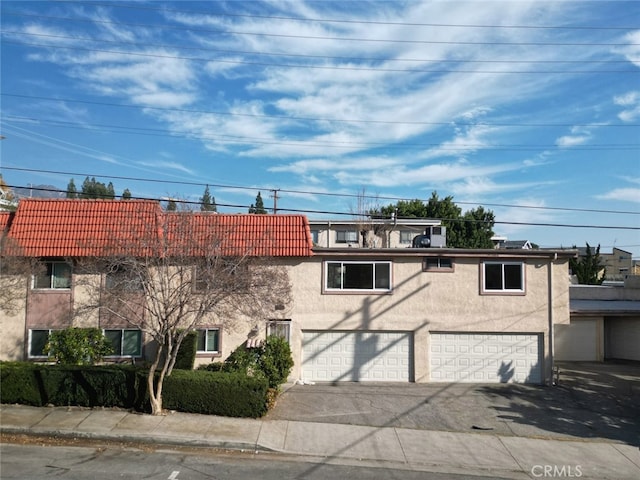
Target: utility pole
[(275, 199)]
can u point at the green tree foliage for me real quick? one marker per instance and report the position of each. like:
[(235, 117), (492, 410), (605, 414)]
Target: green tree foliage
[(126, 195), (207, 202), (172, 206), (258, 207), (473, 229), (272, 360), (72, 191), (91, 188), (78, 346), (588, 269)]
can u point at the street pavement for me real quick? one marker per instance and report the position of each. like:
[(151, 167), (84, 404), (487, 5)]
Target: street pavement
[(451, 452), (533, 452)]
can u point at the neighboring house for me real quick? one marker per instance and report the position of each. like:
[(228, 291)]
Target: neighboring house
[(63, 234), (619, 264), (515, 245), (357, 314), (369, 233), (605, 323)]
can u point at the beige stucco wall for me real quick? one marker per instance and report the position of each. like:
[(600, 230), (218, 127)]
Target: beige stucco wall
[(424, 302), (12, 318), (582, 340)]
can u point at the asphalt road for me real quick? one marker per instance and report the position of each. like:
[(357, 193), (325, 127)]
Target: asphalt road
[(34, 462)]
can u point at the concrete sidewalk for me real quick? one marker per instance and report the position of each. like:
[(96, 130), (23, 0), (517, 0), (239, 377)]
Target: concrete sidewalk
[(481, 454)]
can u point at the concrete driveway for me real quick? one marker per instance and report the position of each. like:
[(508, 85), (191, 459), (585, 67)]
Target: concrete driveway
[(591, 401)]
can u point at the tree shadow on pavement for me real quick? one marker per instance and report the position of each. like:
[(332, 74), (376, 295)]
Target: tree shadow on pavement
[(589, 401)]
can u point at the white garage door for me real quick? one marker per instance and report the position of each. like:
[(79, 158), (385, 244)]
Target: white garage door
[(486, 357), (356, 356)]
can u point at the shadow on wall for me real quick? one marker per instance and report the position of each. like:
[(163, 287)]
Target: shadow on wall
[(591, 400)]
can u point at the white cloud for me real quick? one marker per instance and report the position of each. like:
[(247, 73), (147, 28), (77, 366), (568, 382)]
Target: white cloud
[(168, 165), (631, 100), (623, 194)]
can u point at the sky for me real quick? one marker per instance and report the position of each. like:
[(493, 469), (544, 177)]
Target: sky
[(528, 108)]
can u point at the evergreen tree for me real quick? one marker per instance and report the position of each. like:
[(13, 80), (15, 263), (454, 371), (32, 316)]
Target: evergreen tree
[(72, 191), (207, 203), (588, 269), (94, 189), (474, 229), (259, 205), (172, 206), (126, 195)]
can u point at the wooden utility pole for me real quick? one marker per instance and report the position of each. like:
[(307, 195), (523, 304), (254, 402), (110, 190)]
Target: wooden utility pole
[(275, 199)]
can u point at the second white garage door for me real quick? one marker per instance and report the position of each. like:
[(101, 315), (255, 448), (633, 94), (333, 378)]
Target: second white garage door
[(486, 357), (356, 356)]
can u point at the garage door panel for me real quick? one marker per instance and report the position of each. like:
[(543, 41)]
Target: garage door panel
[(356, 356), (486, 358)]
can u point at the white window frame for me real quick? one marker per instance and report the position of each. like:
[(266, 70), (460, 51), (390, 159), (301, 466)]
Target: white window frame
[(279, 328), (345, 264), (122, 334), (39, 357), (315, 235), (206, 330), (503, 289), (52, 276), (346, 236), (439, 267)]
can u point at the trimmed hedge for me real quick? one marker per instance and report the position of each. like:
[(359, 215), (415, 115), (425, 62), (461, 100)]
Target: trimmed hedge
[(124, 386), (186, 356), (215, 393)]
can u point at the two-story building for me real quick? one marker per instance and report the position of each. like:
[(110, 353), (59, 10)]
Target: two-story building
[(424, 313)]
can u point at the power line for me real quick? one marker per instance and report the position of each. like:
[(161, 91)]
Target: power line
[(295, 55), (316, 119), (333, 20), (316, 67), (303, 143), (303, 192), (324, 212), (317, 37)]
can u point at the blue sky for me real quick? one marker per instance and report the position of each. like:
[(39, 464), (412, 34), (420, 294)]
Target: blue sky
[(531, 109)]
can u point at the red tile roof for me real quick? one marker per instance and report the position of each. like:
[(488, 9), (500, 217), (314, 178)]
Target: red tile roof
[(84, 228), (5, 218)]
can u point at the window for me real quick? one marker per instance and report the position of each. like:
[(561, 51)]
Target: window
[(125, 343), (37, 341), (54, 275), (279, 328), (503, 277), (406, 236), (358, 276), (314, 236), (208, 340), (346, 236), (437, 263)]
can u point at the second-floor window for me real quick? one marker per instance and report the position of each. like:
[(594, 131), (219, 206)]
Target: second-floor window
[(53, 275), (357, 276), (437, 263), (346, 236), (406, 236), (505, 277)]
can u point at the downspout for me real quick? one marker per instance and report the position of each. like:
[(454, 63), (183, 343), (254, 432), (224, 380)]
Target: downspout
[(550, 380)]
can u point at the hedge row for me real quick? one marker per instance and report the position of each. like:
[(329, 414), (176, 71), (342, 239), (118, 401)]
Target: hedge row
[(215, 393)]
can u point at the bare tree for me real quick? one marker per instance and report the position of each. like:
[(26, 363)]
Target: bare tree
[(15, 271), (363, 211), (170, 279)]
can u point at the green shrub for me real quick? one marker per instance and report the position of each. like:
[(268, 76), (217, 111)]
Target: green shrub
[(186, 356), (20, 385), (215, 393), (78, 346), (274, 360)]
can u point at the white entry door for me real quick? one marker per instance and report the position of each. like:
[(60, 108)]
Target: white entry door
[(486, 358), (331, 356)]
